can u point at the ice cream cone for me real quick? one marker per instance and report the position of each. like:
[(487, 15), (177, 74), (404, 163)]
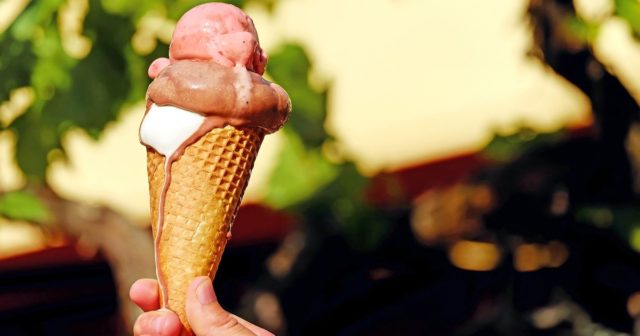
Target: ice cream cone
[(203, 196)]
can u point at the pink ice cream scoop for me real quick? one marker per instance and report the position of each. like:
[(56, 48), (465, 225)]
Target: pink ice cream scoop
[(215, 31)]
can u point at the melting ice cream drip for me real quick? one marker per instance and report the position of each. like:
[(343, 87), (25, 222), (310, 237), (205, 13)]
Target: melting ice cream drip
[(242, 85), (166, 129), (159, 227)]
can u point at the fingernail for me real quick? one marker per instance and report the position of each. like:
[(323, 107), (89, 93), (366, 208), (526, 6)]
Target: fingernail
[(204, 292)]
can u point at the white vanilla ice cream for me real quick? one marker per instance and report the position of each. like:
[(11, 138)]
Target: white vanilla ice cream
[(166, 128)]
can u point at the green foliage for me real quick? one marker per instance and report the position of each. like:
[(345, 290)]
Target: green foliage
[(504, 148), (587, 31), (343, 202), (86, 93), (583, 30), (20, 205), (177, 8), (299, 173), (301, 169), (290, 68), (305, 182), (136, 9), (629, 10), (623, 220)]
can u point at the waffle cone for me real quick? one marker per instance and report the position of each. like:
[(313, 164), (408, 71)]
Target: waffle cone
[(206, 187)]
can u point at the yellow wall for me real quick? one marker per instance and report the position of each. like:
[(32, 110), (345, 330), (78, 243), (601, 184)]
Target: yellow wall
[(415, 79)]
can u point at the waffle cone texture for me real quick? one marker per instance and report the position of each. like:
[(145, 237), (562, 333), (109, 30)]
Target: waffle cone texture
[(206, 187)]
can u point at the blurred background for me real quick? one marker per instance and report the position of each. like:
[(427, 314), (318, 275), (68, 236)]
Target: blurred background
[(450, 168)]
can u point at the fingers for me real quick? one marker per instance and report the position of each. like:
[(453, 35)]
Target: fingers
[(207, 317), (144, 293), (204, 313), (157, 323)]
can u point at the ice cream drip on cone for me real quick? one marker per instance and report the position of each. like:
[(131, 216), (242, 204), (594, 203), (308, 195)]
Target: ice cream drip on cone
[(208, 109)]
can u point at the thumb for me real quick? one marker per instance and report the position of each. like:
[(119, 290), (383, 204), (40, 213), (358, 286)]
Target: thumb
[(205, 314)]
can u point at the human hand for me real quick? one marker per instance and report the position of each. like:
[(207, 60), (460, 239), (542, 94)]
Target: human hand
[(204, 313)]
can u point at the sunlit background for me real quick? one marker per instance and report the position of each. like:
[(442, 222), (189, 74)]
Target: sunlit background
[(448, 172)]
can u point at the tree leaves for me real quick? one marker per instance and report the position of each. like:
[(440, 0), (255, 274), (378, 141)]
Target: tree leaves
[(305, 182), (504, 148), (85, 93), (299, 173), (290, 68), (629, 10), (16, 63), (302, 169), (19, 205)]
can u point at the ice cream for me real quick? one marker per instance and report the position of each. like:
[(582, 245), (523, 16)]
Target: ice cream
[(214, 69), (208, 109), (218, 32)]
